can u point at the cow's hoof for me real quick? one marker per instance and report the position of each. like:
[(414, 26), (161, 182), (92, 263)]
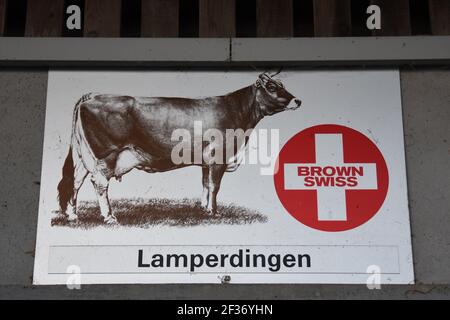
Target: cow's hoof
[(110, 220), (210, 212), (72, 217)]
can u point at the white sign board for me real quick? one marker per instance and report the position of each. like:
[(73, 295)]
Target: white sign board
[(213, 176)]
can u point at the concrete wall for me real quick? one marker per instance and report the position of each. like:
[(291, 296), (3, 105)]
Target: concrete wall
[(426, 110)]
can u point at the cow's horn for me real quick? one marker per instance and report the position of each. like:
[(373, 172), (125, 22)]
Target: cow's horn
[(278, 72)]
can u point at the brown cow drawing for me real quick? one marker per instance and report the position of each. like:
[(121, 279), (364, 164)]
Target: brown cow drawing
[(113, 134)]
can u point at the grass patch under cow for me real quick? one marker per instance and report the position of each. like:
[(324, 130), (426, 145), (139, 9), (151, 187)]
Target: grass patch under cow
[(145, 213)]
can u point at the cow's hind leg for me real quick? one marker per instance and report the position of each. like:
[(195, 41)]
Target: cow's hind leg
[(101, 183), (80, 174), (215, 175), (205, 183)]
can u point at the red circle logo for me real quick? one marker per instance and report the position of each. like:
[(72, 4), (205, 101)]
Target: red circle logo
[(331, 178)]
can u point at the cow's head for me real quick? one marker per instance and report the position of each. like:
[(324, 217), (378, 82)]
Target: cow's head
[(272, 97)]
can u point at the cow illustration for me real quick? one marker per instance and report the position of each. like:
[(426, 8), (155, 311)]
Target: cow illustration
[(113, 134)]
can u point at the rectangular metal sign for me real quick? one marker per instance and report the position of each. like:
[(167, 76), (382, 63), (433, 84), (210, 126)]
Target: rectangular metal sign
[(282, 176)]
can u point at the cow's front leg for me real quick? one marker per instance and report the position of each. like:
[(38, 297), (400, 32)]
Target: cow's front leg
[(215, 175), (101, 184)]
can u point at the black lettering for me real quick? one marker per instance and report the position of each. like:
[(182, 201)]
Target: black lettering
[(212, 260), (274, 262), (195, 264), (140, 258), (157, 261), (177, 258), (289, 260), (307, 260), (237, 257)]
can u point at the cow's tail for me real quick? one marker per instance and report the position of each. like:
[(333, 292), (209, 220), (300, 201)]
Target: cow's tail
[(66, 185)]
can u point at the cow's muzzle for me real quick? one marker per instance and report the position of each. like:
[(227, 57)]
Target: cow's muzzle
[(294, 104)]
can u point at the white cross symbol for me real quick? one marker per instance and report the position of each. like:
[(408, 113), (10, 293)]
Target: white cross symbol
[(331, 202)]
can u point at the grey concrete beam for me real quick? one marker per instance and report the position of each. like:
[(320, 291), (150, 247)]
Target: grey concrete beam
[(228, 291), (354, 51), (343, 50), (112, 51)]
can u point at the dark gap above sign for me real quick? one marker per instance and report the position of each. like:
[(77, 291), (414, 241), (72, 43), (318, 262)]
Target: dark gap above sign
[(188, 18), (131, 18), (420, 17), (246, 18), (303, 18), (16, 12), (359, 18)]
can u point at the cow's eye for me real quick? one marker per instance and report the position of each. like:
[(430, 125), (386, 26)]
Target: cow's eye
[(271, 87)]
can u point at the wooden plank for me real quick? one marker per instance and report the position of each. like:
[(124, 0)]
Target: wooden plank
[(274, 18), (159, 18), (102, 18), (395, 18), (2, 16), (439, 17), (44, 18), (217, 18), (332, 18)]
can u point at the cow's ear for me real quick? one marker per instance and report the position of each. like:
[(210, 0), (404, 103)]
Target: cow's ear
[(264, 77)]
